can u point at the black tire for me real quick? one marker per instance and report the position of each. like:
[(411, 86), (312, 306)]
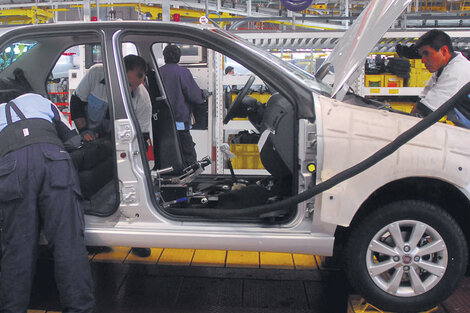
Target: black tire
[(361, 255)]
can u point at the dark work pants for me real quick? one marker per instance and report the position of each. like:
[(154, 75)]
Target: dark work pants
[(39, 190), (187, 145)]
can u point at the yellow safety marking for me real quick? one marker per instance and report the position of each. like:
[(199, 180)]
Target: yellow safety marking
[(214, 258), (319, 259), (151, 259), (357, 304), (276, 260), (304, 262), (117, 254), (176, 257), (36, 311), (242, 259), (374, 90), (58, 10), (393, 91)]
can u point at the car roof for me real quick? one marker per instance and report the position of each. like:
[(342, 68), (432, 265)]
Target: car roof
[(116, 24)]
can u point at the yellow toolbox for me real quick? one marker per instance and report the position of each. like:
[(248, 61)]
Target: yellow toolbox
[(391, 80), (419, 77), (247, 156), (417, 63), (402, 106), (412, 81), (423, 77), (261, 97), (374, 80), (408, 106)]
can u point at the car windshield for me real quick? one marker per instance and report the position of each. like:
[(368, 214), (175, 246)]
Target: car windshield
[(290, 69)]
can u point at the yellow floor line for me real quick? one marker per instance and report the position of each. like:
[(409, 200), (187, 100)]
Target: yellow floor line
[(116, 255), (152, 259), (176, 257), (215, 258), (276, 260), (242, 259), (304, 262), (318, 260), (357, 304)]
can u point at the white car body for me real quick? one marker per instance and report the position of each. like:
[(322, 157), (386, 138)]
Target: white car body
[(437, 153), (401, 220)]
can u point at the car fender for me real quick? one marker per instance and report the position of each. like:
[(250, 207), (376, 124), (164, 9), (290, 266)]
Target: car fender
[(348, 134)]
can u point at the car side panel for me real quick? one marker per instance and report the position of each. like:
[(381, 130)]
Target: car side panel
[(349, 134)]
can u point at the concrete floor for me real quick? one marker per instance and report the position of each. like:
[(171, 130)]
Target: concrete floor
[(125, 283)]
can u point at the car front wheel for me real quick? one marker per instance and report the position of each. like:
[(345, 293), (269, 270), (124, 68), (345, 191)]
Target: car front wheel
[(407, 256)]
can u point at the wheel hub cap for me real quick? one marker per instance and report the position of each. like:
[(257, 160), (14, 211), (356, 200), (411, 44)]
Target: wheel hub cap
[(406, 259)]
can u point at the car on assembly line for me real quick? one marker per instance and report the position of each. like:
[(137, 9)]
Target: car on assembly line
[(389, 193)]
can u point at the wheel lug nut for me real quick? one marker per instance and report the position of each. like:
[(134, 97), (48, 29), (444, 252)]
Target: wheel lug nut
[(406, 248), (406, 268), (416, 258), (396, 258)]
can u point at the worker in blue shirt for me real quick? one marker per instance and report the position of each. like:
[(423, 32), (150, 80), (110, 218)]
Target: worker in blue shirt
[(39, 190), (182, 92)]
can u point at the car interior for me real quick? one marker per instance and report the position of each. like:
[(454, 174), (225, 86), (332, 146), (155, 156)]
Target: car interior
[(182, 192), (186, 192)]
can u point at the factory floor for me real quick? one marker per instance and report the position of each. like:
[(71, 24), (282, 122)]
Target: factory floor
[(203, 281)]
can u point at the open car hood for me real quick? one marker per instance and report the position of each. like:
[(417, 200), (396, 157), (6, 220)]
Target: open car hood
[(342, 65)]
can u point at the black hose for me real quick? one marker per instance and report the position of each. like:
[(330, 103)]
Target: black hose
[(460, 96)]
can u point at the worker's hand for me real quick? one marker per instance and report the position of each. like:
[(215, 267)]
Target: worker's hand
[(88, 135), (80, 122), (206, 94)]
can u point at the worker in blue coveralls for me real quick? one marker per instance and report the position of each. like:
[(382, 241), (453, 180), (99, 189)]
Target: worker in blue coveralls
[(183, 92), (39, 189)]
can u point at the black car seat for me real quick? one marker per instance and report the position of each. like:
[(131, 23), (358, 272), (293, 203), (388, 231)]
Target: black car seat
[(166, 146), (277, 154)]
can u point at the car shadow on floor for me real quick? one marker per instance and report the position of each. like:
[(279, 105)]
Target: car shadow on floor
[(143, 288)]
